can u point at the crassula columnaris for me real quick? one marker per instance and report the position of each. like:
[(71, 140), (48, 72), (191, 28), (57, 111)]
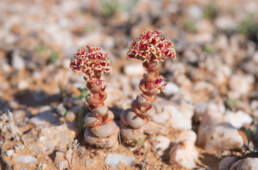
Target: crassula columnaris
[(92, 63), (152, 49)]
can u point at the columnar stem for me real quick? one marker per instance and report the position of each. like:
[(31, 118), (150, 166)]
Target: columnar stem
[(96, 102), (150, 85)]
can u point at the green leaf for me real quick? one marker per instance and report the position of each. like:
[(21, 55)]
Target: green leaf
[(80, 120), (190, 25), (40, 48), (53, 58), (83, 93), (231, 103), (211, 11), (209, 50)]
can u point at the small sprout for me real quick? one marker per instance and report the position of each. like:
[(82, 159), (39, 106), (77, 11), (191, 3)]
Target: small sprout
[(83, 93), (140, 142), (209, 49), (190, 26), (53, 58), (249, 132), (231, 103), (65, 113), (80, 120), (109, 7), (40, 166), (40, 48), (249, 27), (211, 11), (90, 28)]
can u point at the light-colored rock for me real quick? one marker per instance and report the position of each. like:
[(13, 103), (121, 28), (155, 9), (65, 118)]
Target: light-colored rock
[(199, 111), (238, 119), (134, 69), (245, 164), (44, 119), (23, 84), (225, 23), (226, 163), (62, 165), (19, 147), (10, 152), (184, 152), (61, 109), (195, 11), (23, 168), (220, 137), (170, 89), (56, 137), (167, 115), (187, 136), (160, 144), (60, 161), (114, 159), (240, 85), (215, 133), (89, 163), (178, 120), (8, 127), (48, 139), (17, 61), (25, 159)]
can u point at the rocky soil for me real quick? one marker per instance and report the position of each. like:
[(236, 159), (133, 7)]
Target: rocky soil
[(206, 118)]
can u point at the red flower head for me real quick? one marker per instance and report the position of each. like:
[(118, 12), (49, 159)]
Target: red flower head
[(91, 62), (151, 46)]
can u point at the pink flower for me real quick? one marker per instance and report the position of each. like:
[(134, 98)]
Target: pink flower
[(91, 62), (151, 46)]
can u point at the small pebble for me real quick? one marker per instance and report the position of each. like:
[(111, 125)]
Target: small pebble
[(10, 152), (170, 89), (114, 159), (135, 69), (25, 159)]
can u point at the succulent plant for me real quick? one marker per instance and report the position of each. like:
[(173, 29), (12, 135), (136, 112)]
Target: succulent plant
[(100, 130), (152, 49)]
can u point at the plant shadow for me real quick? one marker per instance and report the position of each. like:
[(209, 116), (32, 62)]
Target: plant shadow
[(36, 98)]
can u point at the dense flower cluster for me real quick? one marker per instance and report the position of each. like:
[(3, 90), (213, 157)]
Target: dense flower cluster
[(151, 46), (90, 61)]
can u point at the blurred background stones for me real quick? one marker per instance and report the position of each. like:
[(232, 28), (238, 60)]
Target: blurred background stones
[(207, 114)]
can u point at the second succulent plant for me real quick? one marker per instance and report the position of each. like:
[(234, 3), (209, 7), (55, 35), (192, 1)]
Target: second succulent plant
[(152, 49)]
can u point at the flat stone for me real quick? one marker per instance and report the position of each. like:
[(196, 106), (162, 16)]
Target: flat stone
[(238, 119), (160, 144), (184, 151), (225, 163), (220, 137), (17, 61), (245, 164), (44, 119), (135, 69), (114, 159), (25, 159), (170, 89), (10, 152)]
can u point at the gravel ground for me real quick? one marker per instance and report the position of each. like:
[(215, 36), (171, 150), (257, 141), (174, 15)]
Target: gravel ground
[(207, 116)]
